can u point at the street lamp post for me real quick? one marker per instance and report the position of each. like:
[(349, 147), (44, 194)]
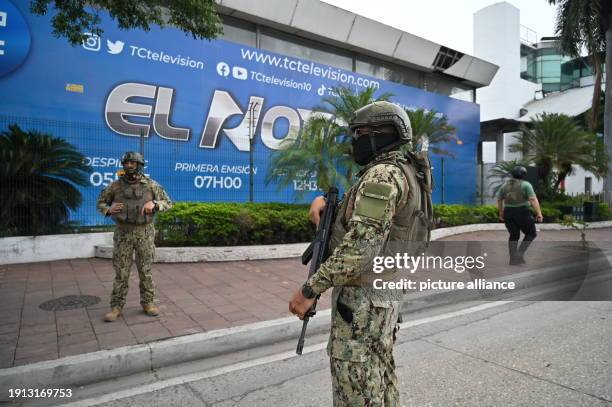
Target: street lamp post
[(252, 107)]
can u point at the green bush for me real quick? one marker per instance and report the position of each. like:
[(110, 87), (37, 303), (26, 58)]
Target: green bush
[(550, 214), (228, 224), (603, 211), (454, 215)]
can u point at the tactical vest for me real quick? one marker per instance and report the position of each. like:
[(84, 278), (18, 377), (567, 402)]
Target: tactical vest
[(513, 192), (133, 196), (413, 220)]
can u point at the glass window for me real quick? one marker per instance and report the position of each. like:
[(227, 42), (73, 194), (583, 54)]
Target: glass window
[(282, 44), (388, 72), (438, 84), (551, 69), (238, 31)]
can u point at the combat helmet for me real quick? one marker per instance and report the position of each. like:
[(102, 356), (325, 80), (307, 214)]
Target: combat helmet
[(133, 156), (519, 172), (381, 113), (132, 173)]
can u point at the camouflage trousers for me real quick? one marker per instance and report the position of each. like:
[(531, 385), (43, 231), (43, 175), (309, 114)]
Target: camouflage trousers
[(361, 350), (138, 239)]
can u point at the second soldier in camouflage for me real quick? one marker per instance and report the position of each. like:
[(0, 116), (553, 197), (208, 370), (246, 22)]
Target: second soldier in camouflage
[(132, 202), (380, 207)]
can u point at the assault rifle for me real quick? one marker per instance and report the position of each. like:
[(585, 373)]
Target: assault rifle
[(317, 253)]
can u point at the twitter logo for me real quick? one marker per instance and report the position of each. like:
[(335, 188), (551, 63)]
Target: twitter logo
[(114, 47)]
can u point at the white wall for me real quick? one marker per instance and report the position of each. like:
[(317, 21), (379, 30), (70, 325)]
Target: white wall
[(497, 39), (29, 249), (574, 184), (509, 139)]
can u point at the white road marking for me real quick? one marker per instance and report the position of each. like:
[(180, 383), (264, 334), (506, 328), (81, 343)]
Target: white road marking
[(175, 381), (453, 314)]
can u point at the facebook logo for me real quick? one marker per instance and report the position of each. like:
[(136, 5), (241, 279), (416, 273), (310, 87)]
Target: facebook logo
[(223, 69)]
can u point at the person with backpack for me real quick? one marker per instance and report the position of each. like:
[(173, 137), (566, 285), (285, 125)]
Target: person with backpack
[(389, 203), (513, 201)]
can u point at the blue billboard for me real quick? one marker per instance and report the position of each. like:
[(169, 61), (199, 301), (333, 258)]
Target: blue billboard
[(194, 102)]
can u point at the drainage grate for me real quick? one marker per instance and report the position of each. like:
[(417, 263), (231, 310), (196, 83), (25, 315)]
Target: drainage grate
[(69, 302)]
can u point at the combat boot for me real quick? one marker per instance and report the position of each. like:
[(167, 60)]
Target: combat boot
[(150, 309), (112, 315)]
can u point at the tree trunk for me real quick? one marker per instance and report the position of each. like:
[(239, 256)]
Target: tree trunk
[(594, 112), (607, 185)]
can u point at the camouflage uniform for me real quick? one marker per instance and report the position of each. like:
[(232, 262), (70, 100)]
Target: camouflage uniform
[(361, 358), (134, 233)]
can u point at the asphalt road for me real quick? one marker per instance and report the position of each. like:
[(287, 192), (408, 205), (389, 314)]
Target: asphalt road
[(488, 354)]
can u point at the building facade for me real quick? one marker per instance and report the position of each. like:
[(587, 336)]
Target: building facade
[(201, 110), (534, 77)]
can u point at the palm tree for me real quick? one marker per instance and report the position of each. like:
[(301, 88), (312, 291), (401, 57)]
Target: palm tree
[(322, 148), (38, 174), (554, 142), (434, 126), (588, 24)]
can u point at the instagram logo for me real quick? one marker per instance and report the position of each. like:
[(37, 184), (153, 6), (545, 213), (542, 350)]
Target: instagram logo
[(92, 42)]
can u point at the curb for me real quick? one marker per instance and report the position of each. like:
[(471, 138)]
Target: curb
[(109, 364), (285, 251)]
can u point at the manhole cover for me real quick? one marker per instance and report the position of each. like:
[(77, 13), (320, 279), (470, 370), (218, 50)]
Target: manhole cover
[(69, 302)]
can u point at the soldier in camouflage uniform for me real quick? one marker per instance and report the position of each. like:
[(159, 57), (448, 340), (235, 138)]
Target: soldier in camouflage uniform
[(377, 209), (132, 202)]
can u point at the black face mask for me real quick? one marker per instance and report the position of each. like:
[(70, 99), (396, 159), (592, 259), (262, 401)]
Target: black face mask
[(133, 174), (367, 146)]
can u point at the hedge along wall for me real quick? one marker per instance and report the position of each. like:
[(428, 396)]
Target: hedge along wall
[(230, 224)]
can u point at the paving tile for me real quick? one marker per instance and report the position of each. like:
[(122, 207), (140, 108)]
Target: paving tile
[(237, 316), (38, 329), (136, 316), (73, 339), (36, 350), (214, 324), (8, 338), (37, 339), (7, 356), (115, 340), (185, 331), (35, 359), (149, 332), (78, 348), (73, 328)]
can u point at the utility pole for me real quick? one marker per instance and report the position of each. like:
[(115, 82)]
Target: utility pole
[(252, 107), (482, 185), (442, 176), (142, 137)]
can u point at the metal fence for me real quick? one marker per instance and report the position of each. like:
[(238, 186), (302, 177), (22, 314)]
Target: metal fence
[(188, 174)]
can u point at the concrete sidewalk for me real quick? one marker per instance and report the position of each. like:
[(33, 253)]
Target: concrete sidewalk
[(192, 297)]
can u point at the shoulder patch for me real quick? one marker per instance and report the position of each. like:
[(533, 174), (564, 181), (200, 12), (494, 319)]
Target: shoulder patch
[(372, 200)]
